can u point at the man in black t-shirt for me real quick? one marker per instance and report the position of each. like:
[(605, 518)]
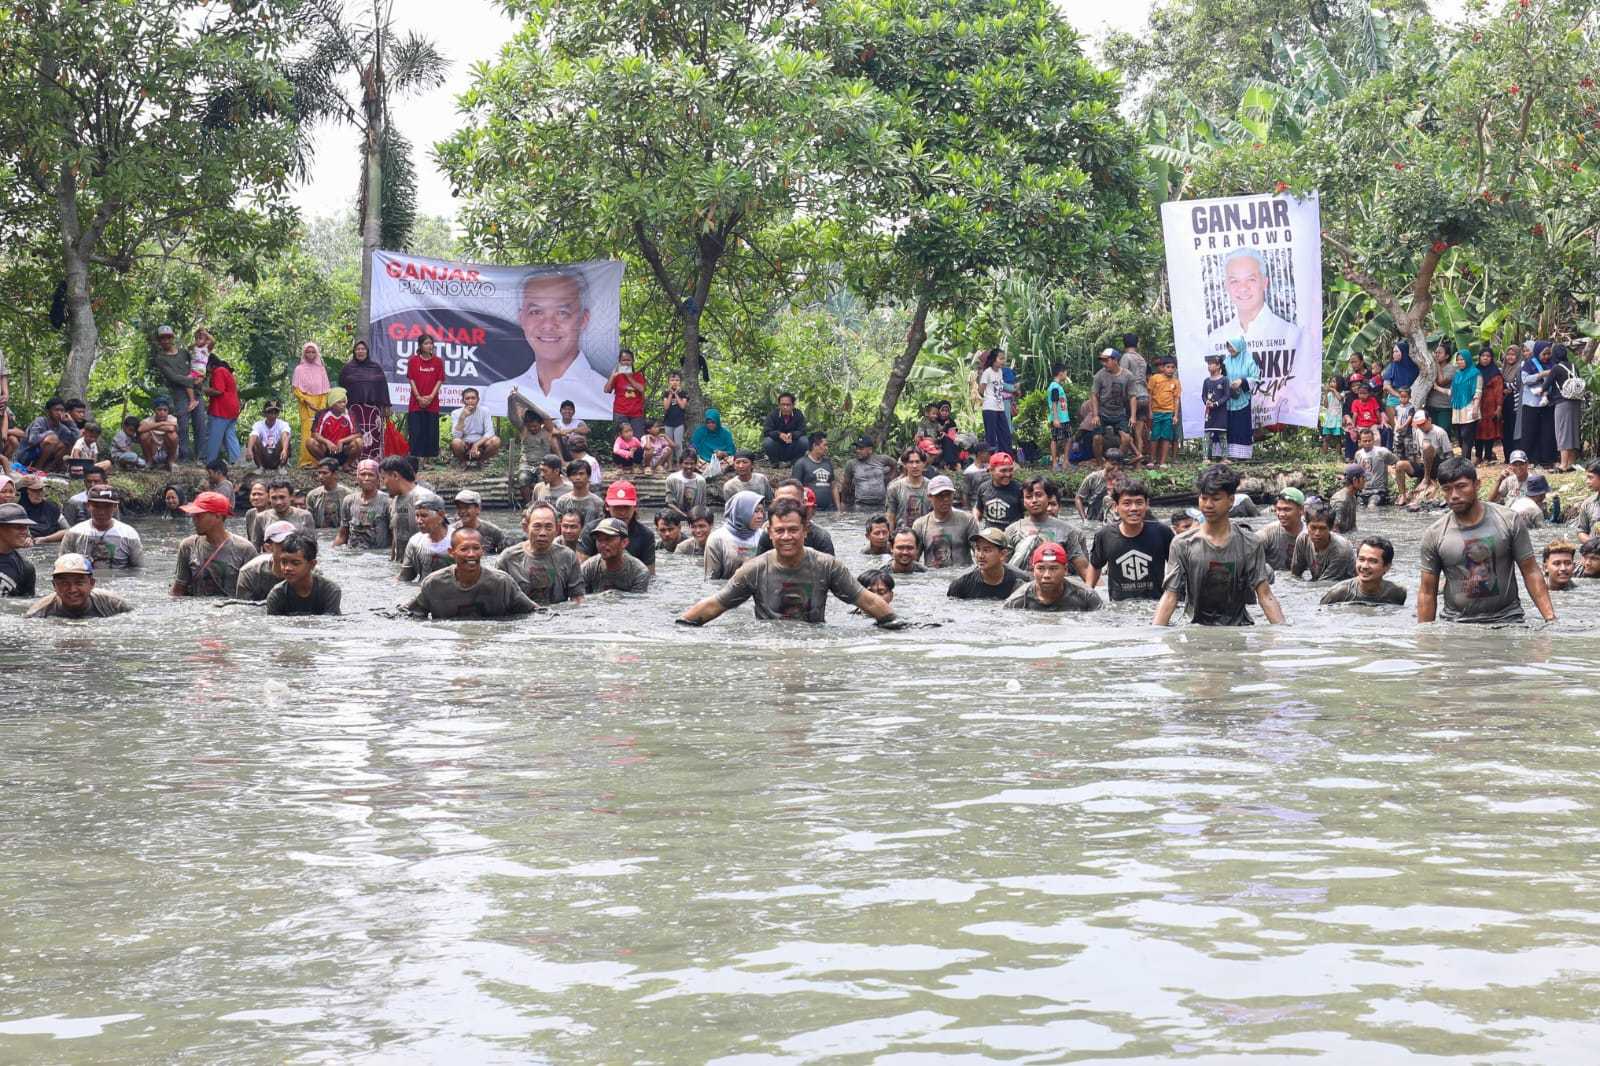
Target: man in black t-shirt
[(1132, 551), (16, 572), (814, 470), (999, 502), (990, 578), (622, 503)]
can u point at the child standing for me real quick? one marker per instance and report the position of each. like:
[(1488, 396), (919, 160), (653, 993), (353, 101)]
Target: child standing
[(1332, 415), (1164, 390), (675, 406), (1060, 419), (1214, 394)]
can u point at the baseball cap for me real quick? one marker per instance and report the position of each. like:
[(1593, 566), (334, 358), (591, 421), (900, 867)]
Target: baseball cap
[(272, 405), (278, 532), (1001, 459), (1353, 471), (1048, 553), (622, 492), (810, 498), (71, 563), (469, 496), (1293, 495), (209, 503), (428, 501), (863, 442), (330, 463), (166, 331), (940, 484), (1111, 353), (12, 514), (1537, 485), (103, 494), (611, 527), (1518, 456), (993, 534)]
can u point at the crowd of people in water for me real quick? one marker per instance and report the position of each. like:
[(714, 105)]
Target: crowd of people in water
[(948, 501)]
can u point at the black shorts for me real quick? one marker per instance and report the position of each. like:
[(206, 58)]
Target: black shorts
[(1061, 432)]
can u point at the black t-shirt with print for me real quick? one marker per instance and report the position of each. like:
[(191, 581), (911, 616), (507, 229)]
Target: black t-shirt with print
[(16, 575), (1000, 505), (1134, 566)]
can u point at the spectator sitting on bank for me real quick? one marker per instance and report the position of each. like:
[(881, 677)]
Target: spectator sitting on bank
[(158, 434), (269, 439), (50, 437), (472, 436), (125, 445), (713, 443), (783, 436)]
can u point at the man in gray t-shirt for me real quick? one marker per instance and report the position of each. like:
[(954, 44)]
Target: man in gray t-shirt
[(545, 571), (946, 533), (466, 589), (1321, 554), (612, 567), (1475, 550), (865, 481)]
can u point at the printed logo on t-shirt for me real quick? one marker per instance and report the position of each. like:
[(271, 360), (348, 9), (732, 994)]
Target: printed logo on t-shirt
[(1134, 565)]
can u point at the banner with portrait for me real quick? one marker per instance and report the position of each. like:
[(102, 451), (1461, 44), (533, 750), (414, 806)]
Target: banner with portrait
[(1248, 267), (550, 332)]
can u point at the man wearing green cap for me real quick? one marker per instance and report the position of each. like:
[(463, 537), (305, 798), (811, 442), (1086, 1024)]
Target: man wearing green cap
[(1279, 537)]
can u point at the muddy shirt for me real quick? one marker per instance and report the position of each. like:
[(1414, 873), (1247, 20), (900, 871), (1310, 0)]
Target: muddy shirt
[(684, 494), (798, 594), (256, 579), (114, 548), (1075, 597), (724, 555), (424, 555), (1278, 543), (403, 518), (589, 507), (1134, 567), (946, 541), (689, 546), (758, 483), (494, 595), (869, 480), (1350, 592), (204, 570), (1217, 583), (494, 538), (365, 522), (1376, 461), (1344, 504), (1478, 564), (303, 524), (327, 505), (633, 576), (1337, 562), (904, 502), (100, 605), (1025, 534), (1588, 519), (545, 579), (969, 585), (324, 598)]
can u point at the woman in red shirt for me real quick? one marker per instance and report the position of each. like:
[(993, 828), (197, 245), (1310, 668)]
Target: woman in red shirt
[(425, 371), (627, 389), (222, 410)]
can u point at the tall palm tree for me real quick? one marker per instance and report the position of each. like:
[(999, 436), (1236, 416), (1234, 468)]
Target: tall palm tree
[(357, 61)]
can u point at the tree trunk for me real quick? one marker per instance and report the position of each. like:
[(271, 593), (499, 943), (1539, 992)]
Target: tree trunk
[(691, 371), (372, 172), (83, 331), (916, 337)]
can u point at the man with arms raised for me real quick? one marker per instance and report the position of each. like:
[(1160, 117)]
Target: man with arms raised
[(545, 571), (1132, 551), (791, 581), (466, 589), (1221, 568), (1476, 549), (75, 595), (553, 314), (1370, 586)]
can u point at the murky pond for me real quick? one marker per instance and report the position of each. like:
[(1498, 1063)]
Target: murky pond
[(602, 838)]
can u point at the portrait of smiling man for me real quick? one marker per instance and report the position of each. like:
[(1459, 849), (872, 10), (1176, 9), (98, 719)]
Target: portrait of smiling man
[(553, 312)]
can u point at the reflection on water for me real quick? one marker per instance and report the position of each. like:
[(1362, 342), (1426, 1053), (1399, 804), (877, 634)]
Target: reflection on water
[(597, 837)]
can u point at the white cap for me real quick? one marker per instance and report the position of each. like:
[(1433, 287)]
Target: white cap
[(940, 484), (278, 532), (72, 563)]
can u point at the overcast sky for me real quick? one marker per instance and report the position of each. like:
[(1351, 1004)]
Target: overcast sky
[(472, 33)]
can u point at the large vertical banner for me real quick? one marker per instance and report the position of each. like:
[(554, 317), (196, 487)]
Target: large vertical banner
[(1251, 267), (550, 332)]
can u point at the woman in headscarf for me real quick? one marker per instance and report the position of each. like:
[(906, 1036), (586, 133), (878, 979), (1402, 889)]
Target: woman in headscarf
[(367, 385), (168, 502), (1239, 367), (1491, 406), (1538, 410), (310, 387), (712, 438), (1568, 413), (1466, 394), (734, 542), (1511, 406)]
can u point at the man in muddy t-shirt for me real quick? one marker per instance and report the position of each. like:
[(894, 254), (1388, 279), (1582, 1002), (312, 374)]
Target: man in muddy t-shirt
[(1477, 549), (364, 514), (946, 533), (791, 581), (545, 571), (865, 480), (466, 589), (209, 561), (1218, 567)]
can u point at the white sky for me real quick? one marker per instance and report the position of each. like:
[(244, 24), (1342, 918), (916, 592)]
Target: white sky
[(472, 32)]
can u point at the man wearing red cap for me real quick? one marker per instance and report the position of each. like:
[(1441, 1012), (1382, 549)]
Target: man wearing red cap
[(622, 502), (209, 561), (1051, 589), (999, 502)]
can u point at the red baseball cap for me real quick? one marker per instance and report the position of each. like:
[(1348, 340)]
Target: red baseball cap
[(209, 503), (623, 493), (1001, 459), (811, 498), (1049, 553)]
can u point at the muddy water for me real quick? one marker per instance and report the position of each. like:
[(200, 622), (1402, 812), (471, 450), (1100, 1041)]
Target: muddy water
[(600, 838)]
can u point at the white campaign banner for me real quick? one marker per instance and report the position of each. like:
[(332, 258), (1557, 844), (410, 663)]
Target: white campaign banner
[(550, 332), (1251, 267)]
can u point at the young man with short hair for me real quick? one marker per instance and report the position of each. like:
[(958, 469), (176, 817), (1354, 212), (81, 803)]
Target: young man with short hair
[(685, 487), (259, 575), (400, 482), (864, 482), (100, 538), (906, 498), (791, 581), (472, 436), (569, 529), (1320, 554), (1098, 486), (1370, 586), (1036, 527), (745, 477), (612, 567), (209, 561), (326, 501), (466, 589), (75, 596), (1589, 558), (268, 446), (578, 500), (76, 509), (1132, 551), (1051, 589), (1183, 521), (1560, 561), (552, 484), (1220, 568), (669, 531), (1347, 500), (904, 551), (546, 571), (1588, 519), (622, 503), (469, 515), (1278, 538), (878, 536), (945, 532), (699, 533), (999, 501), (281, 508), (815, 471), (302, 590), (1476, 551), (990, 577)]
